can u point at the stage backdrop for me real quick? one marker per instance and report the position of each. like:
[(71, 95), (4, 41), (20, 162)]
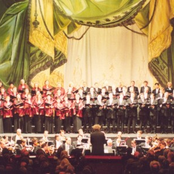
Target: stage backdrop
[(108, 54)]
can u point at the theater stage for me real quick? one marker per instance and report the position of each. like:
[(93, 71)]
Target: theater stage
[(112, 136)]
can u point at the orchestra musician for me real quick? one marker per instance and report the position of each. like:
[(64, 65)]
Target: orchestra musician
[(18, 136), (7, 119), (57, 141)]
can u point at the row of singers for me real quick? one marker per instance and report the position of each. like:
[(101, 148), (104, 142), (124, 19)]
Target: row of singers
[(93, 111)]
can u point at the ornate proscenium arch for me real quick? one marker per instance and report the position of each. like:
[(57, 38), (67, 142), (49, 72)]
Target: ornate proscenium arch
[(97, 13)]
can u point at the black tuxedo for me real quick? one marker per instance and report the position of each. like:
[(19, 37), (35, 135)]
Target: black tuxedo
[(144, 112), (156, 92), (132, 113), (142, 89), (165, 112), (121, 109), (153, 113), (70, 148), (135, 90), (97, 140)]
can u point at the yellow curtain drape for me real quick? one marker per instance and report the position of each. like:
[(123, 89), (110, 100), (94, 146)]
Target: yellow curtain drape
[(159, 31), (42, 36)]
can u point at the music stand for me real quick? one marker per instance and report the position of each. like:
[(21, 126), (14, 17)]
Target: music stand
[(121, 150), (138, 142)]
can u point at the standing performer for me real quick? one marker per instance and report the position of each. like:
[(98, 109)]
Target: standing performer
[(111, 112), (13, 94), (22, 86), (49, 105), (156, 91), (121, 108), (153, 112), (77, 120), (59, 114), (68, 111), (145, 84), (47, 88), (132, 112), (97, 139), (133, 88), (8, 106), (38, 113), (99, 110), (28, 105), (10, 89), (19, 113), (59, 88), (87, 117), (3, 94), (165, 106), (144, 111), (35, 89)]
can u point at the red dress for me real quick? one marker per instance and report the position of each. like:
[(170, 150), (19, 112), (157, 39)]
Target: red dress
[(19, 107), (49, 105), (8, 107), (59, 112), (78, 106), (21, 88), (38, 107), (28, 108)]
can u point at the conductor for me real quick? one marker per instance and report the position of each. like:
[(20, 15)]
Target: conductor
[(97, 139)]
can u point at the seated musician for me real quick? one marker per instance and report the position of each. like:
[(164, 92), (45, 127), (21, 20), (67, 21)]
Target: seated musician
[(118, 141), (62, 136), (18, 136), (45, 136), (145, 146), (67, 146), (36, 145), (57, 141), (135, 148)]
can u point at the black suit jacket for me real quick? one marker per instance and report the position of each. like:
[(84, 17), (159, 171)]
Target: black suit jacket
[(135, 90), (97, 140), (142, 89)]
